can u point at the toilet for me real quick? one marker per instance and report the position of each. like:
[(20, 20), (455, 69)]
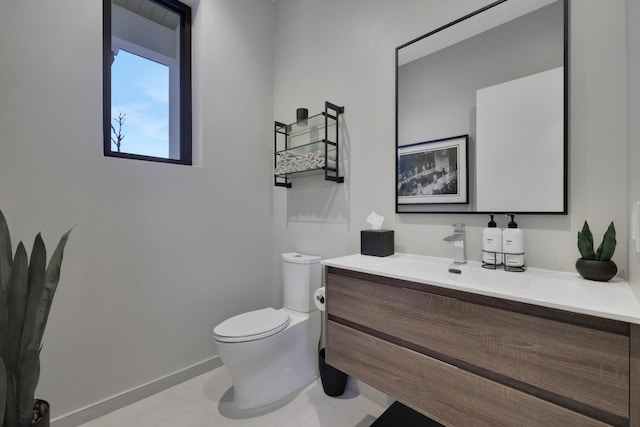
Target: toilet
[(272, 353)]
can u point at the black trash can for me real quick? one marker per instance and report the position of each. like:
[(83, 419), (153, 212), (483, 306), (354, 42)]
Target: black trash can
[(333, 380)]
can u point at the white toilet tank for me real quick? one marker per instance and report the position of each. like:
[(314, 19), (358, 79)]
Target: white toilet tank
[(301, 275)]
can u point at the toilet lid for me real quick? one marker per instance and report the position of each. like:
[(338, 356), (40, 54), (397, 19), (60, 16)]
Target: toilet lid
[(252, 325)]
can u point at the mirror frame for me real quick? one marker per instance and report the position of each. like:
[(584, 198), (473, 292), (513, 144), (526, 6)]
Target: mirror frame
[(443, 208)]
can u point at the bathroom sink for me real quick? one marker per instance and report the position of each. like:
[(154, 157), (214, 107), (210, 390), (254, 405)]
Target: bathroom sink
[(436, 269), (555, 289), (473, 277)]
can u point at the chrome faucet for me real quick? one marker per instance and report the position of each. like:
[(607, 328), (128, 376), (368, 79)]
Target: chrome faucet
[(458, 238)]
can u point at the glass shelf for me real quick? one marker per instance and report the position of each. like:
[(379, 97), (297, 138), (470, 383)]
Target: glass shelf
[(316, 123), (300, 174), (308, 148)]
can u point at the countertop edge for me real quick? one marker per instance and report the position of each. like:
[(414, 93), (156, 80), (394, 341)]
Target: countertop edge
[(629, 313)]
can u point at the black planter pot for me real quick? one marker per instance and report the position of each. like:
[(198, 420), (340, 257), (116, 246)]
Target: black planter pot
[(333, 380), (601, 271), (42, 413)]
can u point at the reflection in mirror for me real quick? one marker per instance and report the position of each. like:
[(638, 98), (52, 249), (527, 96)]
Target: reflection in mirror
[(498, 75)]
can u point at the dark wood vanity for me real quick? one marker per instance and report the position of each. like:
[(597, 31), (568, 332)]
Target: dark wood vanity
[(465, 359)]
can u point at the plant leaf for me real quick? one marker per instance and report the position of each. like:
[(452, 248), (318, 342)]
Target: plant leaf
[(585, 242), (608, 245), (28, 375), (11, 409), (587, 232), (36, 285), (16, 306), (6, 255), (28, 369), (52, 277), (3, 391), (4, 323)]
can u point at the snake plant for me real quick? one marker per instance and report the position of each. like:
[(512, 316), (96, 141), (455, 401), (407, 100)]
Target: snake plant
[(27, 287), (605, 250)]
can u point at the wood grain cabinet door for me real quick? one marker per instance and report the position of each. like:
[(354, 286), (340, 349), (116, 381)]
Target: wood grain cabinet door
[(449, 395), (577, 363)]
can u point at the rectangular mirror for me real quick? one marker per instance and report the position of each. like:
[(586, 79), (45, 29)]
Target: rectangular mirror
[(499, 77)]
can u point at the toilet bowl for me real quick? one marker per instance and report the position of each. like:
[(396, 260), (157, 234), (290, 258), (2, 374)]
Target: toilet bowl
[(272, 353)]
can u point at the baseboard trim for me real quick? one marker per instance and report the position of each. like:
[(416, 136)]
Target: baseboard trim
[(110, 404)]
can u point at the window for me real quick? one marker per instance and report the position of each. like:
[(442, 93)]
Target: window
[(147, 80)]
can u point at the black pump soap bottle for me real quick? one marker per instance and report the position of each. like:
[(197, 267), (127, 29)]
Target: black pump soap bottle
[(492, 244), (513, 244)]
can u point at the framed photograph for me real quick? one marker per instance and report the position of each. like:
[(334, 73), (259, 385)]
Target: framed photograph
[(433, 172)]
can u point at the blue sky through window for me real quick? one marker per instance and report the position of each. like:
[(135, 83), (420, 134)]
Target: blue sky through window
[(140, 89)]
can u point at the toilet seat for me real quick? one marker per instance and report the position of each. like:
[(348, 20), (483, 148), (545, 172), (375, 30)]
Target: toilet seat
[(252, 325)]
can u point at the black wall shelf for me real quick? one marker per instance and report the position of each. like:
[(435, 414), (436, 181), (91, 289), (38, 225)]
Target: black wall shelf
[(308, 147)]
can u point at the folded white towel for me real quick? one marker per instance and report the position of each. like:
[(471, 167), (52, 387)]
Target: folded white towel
[(289, 162)]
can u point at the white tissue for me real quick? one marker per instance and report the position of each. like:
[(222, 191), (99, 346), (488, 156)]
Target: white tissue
[(318, 298), (375, 220)]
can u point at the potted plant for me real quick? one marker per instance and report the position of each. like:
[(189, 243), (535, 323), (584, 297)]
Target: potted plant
[(27, 287), (596, 265)]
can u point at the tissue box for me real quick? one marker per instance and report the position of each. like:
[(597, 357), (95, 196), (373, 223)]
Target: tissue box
[(376, 242)]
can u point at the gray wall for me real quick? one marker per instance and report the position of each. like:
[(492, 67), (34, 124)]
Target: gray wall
[(438, 91), (160, 253), (633, 52), (356, 68)]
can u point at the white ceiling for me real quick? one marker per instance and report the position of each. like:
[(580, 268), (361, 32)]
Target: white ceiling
[(151, 11)]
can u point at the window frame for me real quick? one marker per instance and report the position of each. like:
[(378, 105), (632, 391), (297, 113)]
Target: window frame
[(185, 97)]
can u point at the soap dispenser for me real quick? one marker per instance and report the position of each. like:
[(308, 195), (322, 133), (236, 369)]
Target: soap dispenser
[(492, 244), (513, 244)]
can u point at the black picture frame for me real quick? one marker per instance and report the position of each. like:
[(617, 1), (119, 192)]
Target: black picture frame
[(433, 172)]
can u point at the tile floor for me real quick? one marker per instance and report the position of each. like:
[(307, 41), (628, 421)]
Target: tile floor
[(205, 401)]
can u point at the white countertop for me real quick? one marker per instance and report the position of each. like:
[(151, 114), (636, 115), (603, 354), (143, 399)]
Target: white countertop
[(547, 288)]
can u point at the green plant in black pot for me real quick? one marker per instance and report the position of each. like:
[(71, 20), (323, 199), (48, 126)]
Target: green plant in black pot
[(596, 265), (27, 287)]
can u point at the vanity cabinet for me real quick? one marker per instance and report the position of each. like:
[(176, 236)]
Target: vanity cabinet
[(465, 359), (308, 146)]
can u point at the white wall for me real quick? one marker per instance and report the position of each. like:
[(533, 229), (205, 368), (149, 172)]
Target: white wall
[(438, 91), (160, 253), (633, 52), (351, 62)]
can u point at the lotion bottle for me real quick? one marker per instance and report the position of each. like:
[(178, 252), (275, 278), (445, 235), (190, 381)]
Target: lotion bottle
[(513, 245), (492, 244)]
